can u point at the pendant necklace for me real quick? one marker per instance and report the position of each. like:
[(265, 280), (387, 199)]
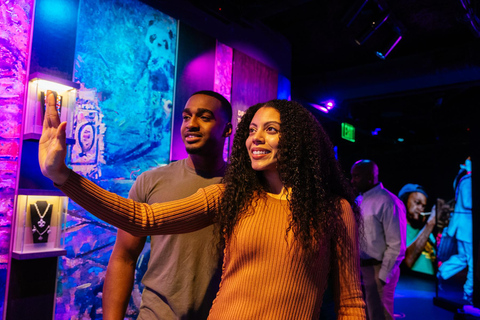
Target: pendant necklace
[(40, 234), (41, 223)]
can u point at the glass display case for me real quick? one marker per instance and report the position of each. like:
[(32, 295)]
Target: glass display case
[(40, 226), (65, 93)]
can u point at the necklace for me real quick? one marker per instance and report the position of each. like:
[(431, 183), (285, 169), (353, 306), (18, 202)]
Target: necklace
[(40, 234), (42, 222)]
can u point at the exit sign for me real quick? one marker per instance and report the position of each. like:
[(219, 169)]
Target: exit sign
[(348, 132)]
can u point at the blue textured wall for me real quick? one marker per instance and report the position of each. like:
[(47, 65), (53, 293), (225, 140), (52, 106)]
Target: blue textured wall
[(124, 61), (53, 45)]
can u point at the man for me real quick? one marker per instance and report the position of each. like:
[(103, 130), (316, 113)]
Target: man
[(383, 248), (184, 270), (460, 228), (420, 254)]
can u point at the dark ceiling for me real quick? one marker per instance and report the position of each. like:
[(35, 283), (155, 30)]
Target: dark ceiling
[(414, 111), (410, 94), (323, 33), (421, 100), (437, 35)]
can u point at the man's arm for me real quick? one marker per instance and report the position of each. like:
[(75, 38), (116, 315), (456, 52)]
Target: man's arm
[(414, 250), (120, 275)]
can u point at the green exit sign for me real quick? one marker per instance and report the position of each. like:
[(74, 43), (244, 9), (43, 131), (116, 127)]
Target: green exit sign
[(348, 132)]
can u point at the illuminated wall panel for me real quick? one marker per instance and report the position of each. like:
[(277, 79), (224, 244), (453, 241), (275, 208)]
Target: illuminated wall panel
[(124, 62), (15, 26), (223, 70), (223, 81)]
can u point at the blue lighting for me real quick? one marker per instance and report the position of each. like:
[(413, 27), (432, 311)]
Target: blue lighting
[(284, 88), (61, 11)]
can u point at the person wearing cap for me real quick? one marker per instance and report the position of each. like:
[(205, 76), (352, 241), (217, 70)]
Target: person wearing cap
[(420, 253)]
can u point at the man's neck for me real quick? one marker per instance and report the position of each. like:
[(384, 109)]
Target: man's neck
[(371, 187), (210, 164)]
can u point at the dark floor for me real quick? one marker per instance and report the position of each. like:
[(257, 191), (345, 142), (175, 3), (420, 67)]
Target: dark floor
[(414, 299)]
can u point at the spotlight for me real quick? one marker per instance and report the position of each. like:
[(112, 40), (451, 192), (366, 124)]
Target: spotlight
[(324, 106), (329, 104)]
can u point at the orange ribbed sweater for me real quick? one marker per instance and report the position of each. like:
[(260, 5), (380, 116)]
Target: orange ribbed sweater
[(265, 273)]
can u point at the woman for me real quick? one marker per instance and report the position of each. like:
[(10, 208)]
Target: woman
[(284, 212)]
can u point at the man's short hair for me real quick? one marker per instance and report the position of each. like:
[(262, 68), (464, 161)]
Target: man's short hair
[(226, 106)]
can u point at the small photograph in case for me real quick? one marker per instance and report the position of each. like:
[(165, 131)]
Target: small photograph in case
[(58, 104)]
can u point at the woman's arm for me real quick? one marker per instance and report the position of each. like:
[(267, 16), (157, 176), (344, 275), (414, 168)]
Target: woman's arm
[(346, 271), (187, 215), (140, 219)]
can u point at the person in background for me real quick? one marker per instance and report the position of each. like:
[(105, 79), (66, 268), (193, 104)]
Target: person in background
[(284, 211), (383, 248), (183, 271), (420, 253), (460, 228)]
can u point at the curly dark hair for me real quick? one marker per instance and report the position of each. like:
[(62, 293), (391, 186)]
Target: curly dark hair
[(306, 164)]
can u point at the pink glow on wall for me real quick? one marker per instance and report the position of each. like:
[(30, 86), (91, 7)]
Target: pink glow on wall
[(223, 80), (223, 70), (200, 64), (15, 23)]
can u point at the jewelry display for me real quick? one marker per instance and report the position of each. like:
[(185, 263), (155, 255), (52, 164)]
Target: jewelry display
[(40, 234), (40, 216), (39, 226), (42, 222)]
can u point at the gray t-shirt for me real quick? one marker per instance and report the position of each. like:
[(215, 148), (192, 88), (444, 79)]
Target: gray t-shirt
[(184, 270)]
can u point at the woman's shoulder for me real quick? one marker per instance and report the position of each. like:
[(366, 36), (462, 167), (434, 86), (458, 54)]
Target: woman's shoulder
[(346, 209), (345, 205)]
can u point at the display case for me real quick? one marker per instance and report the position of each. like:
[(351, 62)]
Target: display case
[(40, 224), (65, 93)]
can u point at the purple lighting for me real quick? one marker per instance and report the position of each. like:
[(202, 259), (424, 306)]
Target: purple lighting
[(324, 106), (382, 55), (319, 107), (16, 24)]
